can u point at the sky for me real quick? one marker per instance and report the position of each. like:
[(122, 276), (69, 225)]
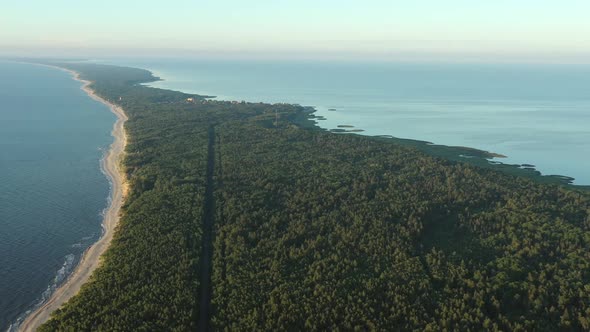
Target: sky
[(529, 30)]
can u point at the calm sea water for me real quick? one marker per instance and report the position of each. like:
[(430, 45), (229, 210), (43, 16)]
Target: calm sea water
[(52, 191), (534, 114)]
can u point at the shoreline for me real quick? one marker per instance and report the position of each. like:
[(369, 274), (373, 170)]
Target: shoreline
[(91, 258), (478, 156)]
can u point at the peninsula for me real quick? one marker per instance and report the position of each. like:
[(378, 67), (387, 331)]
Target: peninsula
[(247, 216)]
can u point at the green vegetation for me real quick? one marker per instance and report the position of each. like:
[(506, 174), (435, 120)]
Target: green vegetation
[(345, 232), (319, 231)]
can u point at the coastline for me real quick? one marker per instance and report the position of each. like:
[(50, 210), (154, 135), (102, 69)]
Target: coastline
[(110, 165), (91, 257)]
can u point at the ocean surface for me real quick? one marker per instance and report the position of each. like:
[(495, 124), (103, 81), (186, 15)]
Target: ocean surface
[(533, 114), (52, 190)]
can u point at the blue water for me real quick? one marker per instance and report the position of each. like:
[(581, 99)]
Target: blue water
[(534, 114), (52, 191)]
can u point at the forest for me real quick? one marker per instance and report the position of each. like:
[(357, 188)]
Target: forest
[(312, 230)]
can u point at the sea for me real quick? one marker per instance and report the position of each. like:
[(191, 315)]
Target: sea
[(534, 114), (52, 189)]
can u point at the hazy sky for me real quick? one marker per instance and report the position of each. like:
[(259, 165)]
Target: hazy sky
[(385, 29)]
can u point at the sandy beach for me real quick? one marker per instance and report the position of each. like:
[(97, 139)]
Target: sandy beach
[(110, 165)]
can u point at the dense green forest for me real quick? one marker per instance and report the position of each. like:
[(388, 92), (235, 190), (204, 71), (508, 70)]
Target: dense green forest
[(312, 230), (343, 232)]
